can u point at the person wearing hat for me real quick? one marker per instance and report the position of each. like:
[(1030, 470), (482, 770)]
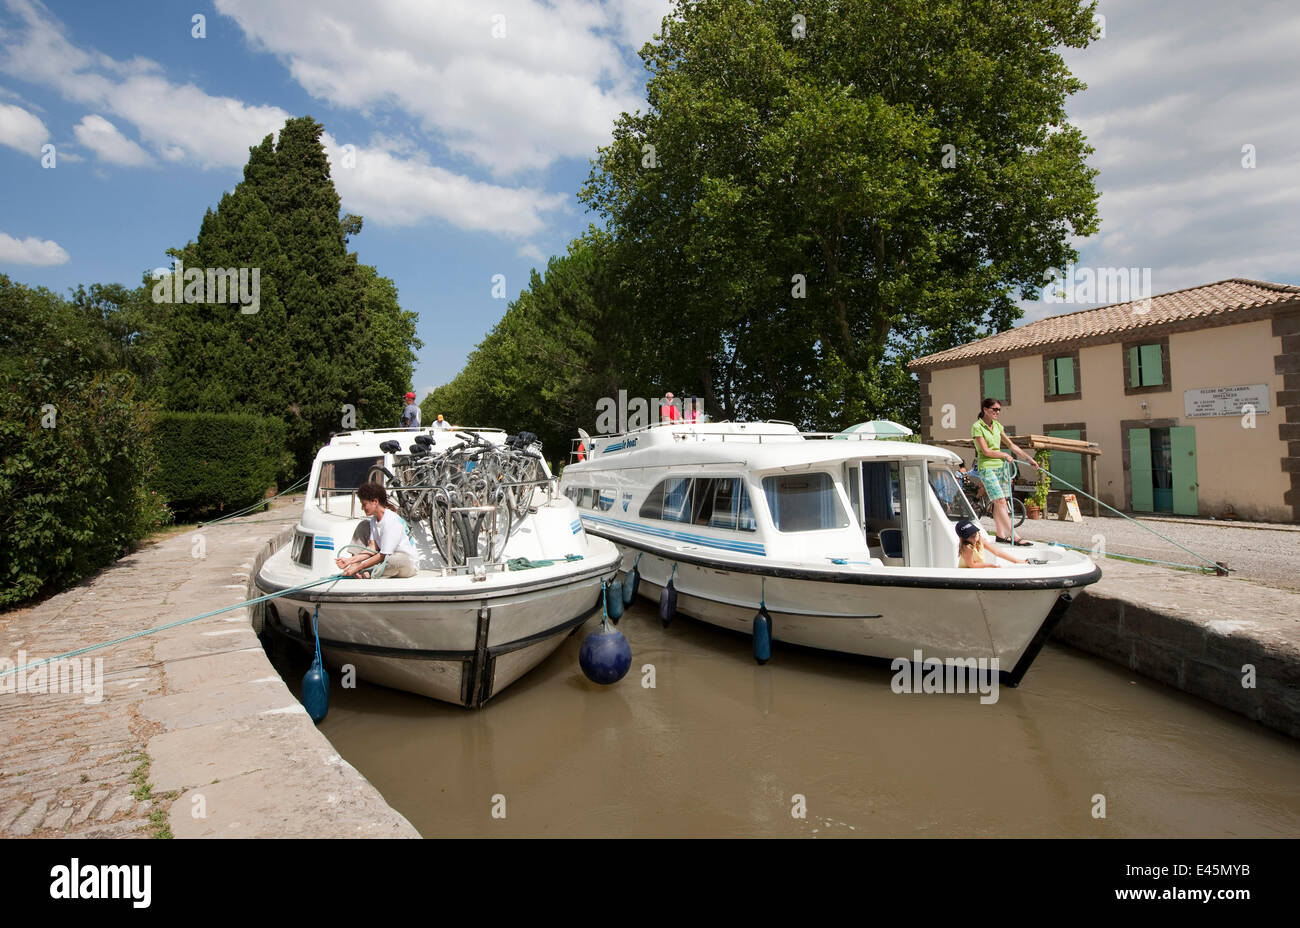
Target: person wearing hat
[(411, 414), (441, 423), (975, 552)]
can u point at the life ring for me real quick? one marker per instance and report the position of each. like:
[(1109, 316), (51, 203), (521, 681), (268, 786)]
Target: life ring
[(582, 451)]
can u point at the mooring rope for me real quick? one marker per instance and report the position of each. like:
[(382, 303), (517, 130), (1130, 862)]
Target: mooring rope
[(162, 628), (265, 502), (1216, 567)]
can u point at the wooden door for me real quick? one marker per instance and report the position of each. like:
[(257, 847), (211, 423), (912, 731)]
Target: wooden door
[(1139, 468), (1182, 442)]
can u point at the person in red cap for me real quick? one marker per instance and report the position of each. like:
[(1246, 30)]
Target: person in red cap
[(411, 414)]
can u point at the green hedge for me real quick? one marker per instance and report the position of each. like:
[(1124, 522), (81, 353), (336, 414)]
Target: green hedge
[(216, 460), (75, 460)]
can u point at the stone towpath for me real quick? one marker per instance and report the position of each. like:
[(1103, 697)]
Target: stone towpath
[(193, 732)]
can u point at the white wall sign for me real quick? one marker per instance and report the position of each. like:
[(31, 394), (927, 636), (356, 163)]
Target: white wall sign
[(1225, 401)]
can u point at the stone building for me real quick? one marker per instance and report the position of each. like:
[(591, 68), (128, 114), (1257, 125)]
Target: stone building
[(1193, 396)]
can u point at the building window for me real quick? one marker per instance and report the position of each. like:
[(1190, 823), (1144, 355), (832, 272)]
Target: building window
[(995, 381), (1061, 377), (1146, 366)]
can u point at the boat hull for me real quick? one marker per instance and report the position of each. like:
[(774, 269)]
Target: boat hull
[(458, 644), (880, 616)]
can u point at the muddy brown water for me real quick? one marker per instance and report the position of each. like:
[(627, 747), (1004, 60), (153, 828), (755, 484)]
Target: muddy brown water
[(721, 746)]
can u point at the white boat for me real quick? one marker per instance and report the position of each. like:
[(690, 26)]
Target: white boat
[(464, 627), (848, 539)]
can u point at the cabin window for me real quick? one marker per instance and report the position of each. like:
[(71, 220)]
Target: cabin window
[(605, 500), (722, 502), (303, 545), (948, 490), (804, 502), (670, 501), (346, 474), (715, 502)]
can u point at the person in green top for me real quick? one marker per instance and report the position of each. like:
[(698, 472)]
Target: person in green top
[(989, 438)]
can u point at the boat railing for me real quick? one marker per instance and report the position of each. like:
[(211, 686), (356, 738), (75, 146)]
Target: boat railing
[(325, 494)]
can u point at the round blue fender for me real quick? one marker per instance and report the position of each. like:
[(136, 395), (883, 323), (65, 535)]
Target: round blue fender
[(605, 655)]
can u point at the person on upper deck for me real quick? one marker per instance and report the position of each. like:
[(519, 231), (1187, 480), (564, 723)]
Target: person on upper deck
[(989, 437), (668, 411), (411, 414)]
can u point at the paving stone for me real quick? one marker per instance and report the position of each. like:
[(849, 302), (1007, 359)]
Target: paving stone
[(58, 817), (26, 823), (66, 765)]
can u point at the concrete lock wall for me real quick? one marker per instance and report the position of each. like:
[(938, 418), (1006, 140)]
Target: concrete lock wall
[(1236, 465)]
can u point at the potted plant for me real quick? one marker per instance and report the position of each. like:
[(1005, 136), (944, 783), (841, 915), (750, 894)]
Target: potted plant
[(1035, 505)]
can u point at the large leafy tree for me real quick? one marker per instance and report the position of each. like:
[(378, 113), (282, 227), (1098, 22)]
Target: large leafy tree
[(565, 343), (820, 190), (328, 335)]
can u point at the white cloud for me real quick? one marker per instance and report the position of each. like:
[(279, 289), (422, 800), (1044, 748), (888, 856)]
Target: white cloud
[(393, 182), (22, 130), (1170, 102), (102, 137), (550, 88), (403, 192), (529, 250), (30, 251), (181, 122)]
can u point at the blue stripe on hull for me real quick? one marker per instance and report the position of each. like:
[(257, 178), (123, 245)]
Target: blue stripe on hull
[(740, 547)]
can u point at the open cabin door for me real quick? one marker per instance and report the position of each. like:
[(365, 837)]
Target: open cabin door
[(893, 504), (916, 515)]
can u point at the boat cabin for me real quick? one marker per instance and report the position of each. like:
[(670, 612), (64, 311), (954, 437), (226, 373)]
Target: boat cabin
[(766, 490)]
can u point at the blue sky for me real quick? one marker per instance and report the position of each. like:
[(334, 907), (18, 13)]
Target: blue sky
[(469, 147)]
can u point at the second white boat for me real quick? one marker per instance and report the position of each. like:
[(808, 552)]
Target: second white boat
[(847, 540)]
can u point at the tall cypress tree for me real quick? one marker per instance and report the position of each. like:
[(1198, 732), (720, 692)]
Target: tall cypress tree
[(328, 332)]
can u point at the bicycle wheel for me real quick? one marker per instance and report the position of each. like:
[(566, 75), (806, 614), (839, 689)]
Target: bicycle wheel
[(438, 530), (1017, 512)]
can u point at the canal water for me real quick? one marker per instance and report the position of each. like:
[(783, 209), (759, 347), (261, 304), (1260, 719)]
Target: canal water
[(813, 745)]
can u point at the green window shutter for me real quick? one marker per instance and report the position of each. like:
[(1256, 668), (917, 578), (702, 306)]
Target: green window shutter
[(1066, 464), (1134, 370), (995, 384), (1139, 468), (1064, 376), (1152, 370)]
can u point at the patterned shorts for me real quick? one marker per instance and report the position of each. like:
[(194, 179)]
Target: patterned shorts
[(997, 483)]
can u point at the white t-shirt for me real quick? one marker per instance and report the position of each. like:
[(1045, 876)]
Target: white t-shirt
[(389, 534)]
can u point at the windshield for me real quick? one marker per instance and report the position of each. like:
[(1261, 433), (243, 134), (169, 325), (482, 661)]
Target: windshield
[(944, 483)]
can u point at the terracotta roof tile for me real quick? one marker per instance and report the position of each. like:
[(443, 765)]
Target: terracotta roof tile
[(1119, 319)]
